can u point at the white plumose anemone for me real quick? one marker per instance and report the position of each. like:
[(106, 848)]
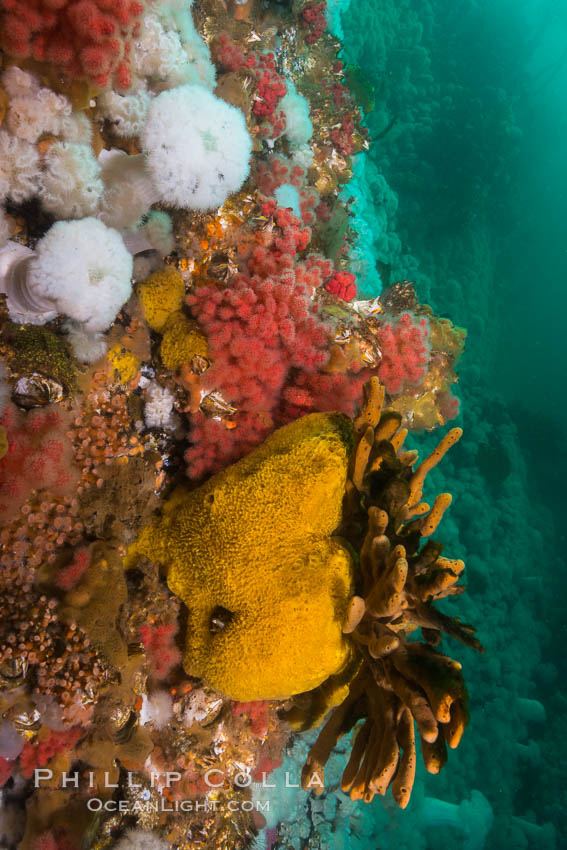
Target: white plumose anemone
[(81, 269), (197, 146), (70, 184), (196, 153)]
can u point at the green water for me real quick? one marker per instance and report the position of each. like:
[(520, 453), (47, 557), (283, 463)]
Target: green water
[(479, 161), (468, 112)]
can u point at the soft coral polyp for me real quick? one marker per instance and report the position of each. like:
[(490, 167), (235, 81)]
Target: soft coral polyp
[(39, 456), (268, 346), (85, 39), (405, 351)]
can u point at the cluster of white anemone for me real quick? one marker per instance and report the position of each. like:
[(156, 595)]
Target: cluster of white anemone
[(195, 153)]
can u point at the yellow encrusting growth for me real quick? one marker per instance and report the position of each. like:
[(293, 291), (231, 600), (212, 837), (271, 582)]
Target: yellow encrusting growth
[(181, 342), (124, 363), (161, 294), (251, 554)]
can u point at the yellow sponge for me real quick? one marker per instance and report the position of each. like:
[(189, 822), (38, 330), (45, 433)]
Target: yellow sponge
[(181, 342), (125, 364), (250, 553), (161, 294)]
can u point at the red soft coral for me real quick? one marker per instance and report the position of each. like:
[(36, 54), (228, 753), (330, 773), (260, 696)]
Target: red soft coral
[(270, 86), (159, 642), (270, 89), (227, 53), (258, 330), (448, 404), (321, 392), (56, 839), (258, 712), (314, 18), (277, 170), (70, 575), (265, 766), (85, 39), (404, 343), (45, 841), (6, 768), (38, 753), (39, 456), (268, 346), (343, 285), (342, 135), (214, 445)]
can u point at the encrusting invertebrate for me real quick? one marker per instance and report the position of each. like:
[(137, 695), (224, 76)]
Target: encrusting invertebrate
[(400, 683), (324, 523), (251, 553)]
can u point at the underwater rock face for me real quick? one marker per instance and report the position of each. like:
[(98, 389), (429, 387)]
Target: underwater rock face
[(251, 555)]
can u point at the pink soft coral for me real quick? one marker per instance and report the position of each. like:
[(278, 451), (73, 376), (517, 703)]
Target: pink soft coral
[(270, 86), (259, 330), (159, 642), (39, 753), (314, 19), (39, 456), (343, 285), (258, 712), (85, 39), (404, 342), (277, 170), (71, 574)]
